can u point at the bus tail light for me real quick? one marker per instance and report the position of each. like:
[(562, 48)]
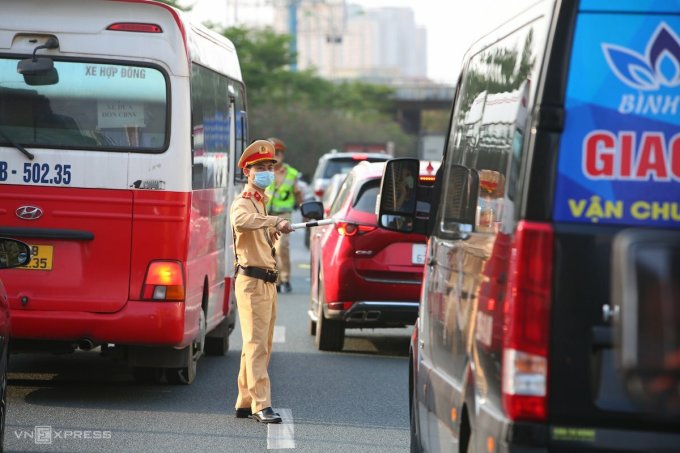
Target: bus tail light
[(164, 281), (527, 323), (135, 27)]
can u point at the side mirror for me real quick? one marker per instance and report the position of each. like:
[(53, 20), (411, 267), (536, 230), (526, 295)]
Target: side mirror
[(399, 195), (646, 316), (14, 253), (312, 210)]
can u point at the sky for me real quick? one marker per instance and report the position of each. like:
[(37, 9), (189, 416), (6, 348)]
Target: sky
[(452, 25)]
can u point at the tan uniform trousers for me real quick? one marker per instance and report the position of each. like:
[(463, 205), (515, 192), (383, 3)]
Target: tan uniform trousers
[(256, 301), (283, 252)]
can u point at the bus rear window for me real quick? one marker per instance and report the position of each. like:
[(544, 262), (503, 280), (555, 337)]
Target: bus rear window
[(93, 106)]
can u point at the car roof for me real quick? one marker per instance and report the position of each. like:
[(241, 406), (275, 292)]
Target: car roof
[(341, 155)]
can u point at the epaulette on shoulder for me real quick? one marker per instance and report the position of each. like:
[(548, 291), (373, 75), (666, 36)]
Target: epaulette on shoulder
[(246, 195)]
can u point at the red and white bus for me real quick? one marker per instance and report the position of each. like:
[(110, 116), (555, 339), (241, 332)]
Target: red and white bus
[(120, 126)]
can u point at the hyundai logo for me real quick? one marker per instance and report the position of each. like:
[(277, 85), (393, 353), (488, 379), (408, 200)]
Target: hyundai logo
[(29, 212)]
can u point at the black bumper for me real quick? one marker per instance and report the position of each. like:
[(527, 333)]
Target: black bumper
[(376, 314)]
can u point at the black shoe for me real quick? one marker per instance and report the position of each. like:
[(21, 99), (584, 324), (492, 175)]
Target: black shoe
[(266, 415), (243, 412), (285, 287)]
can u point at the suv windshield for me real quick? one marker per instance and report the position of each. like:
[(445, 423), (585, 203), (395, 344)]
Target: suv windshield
[(93, 105)]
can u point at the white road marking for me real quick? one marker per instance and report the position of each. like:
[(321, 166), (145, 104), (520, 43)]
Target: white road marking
[(279, 334), (281, 436)]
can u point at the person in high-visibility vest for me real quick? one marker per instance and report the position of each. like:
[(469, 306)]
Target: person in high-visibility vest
[(284, 197)]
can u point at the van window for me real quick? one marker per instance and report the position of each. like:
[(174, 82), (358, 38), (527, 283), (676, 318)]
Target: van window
[(488, 129), (211, 124), (93, 106)]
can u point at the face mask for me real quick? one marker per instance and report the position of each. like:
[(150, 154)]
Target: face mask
[(263, 179)]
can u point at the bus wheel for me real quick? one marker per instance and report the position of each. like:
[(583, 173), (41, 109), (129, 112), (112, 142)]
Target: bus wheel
[(186, 375), (217, 342), (147, 375)]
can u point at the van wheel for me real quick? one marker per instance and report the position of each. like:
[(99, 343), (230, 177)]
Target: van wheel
[(416, 447), (311, 327), (147, 375), (330, 333), (217, 343), (186, 375)]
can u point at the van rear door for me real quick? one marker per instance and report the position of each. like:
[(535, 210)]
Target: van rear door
[(618, 168)]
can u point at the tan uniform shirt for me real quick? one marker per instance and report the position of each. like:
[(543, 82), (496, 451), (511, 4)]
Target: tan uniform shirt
[(252, 228)]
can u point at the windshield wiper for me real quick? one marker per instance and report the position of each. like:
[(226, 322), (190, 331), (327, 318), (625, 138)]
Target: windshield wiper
[(23, 150)]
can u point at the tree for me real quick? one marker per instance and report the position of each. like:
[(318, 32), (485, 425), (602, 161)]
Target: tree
[(311, 114)]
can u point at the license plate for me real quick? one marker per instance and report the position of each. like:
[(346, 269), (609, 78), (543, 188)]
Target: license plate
[(418, 254), (41, 258)]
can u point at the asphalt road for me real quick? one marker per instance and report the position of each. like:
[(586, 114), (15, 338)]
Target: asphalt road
[(355, 400)]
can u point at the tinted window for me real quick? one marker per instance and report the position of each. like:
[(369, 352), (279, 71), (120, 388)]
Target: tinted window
[(368, 193), (211, 124), (92, 106)]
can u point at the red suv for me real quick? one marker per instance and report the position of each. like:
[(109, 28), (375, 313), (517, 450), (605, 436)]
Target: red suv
[(363, 275)]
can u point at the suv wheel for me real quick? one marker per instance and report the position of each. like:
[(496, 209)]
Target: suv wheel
[(330, 333)]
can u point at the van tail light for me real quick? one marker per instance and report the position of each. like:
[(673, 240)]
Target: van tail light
[(135, 27), (527, 323), (164, 281), (319, 193), (352, 229)]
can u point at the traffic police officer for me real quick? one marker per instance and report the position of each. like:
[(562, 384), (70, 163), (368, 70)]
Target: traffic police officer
[(254, 235), (284, 195)]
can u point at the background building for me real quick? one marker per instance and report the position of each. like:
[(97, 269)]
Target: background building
[(348, 41)]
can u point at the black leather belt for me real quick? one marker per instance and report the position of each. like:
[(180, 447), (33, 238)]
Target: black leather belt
[(268, 275)]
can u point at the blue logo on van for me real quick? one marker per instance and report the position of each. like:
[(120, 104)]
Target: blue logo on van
[(619, 159), (659, 66)]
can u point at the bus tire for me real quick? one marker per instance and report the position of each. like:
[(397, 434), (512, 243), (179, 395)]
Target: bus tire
[(185, 375), (217, 341)]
